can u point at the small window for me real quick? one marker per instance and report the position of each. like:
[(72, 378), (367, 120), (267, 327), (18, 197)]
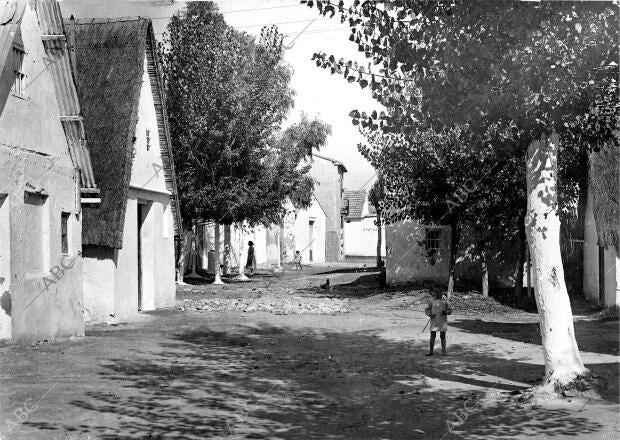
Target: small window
[(19, 79), (64, 232), (148, 140), (433, 239)]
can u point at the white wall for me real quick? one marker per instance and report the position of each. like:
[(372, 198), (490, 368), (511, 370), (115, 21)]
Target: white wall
[(407, 260), (302, 233), (34, 156), (360, 237)]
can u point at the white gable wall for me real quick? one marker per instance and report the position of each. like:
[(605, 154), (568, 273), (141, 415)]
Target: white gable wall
[(34, 156), (147, 188)]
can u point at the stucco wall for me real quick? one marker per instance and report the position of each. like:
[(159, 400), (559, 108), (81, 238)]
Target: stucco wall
[(99, 275), (302, 234), (328, 191), (360, 237), (34, 156), (407, 260), (591, 264)]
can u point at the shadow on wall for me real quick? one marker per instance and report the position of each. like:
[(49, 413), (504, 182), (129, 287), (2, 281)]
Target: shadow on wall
[(266, 382), (417, 253)]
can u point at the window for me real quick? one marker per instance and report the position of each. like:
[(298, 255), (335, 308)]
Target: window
[(64, 232), (19, 79), (148, 140), (433, 239)]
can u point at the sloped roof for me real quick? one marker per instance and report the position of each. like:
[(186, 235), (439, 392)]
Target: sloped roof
[(334, 161), (110, 61), (355, 200), (61, 70)]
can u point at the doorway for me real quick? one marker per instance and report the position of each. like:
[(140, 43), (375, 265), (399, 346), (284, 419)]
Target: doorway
[(143, 256), (311, 241)]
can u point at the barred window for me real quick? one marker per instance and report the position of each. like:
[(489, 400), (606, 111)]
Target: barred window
[(433, 239), (19, 79)]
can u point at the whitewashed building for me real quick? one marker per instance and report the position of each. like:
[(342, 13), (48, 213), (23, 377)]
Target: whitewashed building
[(45, 176), (128, 244), (360, 228)]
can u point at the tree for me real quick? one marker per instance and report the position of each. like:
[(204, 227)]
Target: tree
[(518, 74), (376, 197), (288, 161), (228, 95)]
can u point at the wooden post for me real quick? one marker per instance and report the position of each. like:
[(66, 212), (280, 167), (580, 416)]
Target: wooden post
[(601, 275)]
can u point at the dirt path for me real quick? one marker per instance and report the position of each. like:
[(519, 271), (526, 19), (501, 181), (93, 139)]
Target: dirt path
[(357, 375)]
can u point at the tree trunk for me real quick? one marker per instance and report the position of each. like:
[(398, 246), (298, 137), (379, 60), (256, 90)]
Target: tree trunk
[(182, 262), (453, 249), (379, 259), (241, 276), (563, 362), (218, 276), (282, 242), (485, 275), (226, 250), (520, 261)]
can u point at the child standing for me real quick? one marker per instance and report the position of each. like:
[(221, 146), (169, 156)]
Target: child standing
[(438, 311), (297, 260)]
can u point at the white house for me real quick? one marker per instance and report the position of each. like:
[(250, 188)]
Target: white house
[(45, 176), (128, 244), (303, 230), (360, 229)]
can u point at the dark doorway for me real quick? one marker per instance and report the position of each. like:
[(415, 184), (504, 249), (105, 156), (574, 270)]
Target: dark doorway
[(142, 212), (310, 240)]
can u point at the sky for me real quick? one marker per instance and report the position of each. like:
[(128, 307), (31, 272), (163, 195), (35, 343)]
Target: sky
[(318, 93)]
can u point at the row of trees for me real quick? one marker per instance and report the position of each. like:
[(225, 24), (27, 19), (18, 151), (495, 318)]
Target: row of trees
[(488, 94), (228, 95)]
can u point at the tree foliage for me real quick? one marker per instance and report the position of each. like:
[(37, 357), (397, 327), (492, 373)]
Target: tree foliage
[(228, 95)]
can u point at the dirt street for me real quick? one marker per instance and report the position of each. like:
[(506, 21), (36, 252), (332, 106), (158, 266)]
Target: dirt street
[(281, 358)]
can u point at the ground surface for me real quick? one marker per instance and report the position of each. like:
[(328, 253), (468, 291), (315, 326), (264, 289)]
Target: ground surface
[(346, 363)]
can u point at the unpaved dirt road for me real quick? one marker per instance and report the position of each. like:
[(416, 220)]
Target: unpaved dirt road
[(230, 374)]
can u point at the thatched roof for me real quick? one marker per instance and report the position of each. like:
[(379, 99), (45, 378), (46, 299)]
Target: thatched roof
[(605, 184), (110, 61)]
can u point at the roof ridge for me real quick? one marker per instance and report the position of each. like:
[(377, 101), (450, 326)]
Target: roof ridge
[(103, 20)]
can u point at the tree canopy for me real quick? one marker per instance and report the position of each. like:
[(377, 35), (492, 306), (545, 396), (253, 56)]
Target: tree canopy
[(228, 95)]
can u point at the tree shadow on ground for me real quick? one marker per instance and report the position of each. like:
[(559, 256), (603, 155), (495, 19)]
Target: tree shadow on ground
[(351, 270), (278, 383), (592, 336)]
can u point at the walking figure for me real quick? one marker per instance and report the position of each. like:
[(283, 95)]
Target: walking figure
[(438, 310), (297, 260)]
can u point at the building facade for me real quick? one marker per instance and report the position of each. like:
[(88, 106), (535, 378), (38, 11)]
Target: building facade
[(128, 244), (328, 175), (360, 228), (45, 177)]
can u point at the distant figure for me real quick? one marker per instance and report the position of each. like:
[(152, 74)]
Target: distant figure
[(438, 311), (251, 262), (297, 260)]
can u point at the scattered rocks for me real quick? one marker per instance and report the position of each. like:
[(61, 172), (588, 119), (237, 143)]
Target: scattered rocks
[(276, 305)]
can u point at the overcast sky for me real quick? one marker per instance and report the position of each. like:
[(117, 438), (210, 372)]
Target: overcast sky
[(319, 93)]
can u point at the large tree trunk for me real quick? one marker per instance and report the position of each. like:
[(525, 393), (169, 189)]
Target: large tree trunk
[(542, 225), (485, 274), (379, 259), (241, 276), (454, 245), (218, 276), (227, 249)]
